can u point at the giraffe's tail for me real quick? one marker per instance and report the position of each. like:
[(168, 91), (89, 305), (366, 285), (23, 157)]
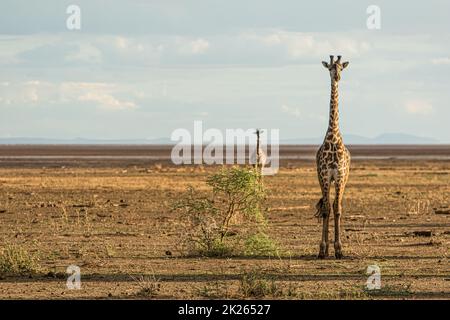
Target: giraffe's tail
[(321, 210)]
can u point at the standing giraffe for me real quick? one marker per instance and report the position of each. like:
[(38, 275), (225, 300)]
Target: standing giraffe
[(258, 158), (333, 165)]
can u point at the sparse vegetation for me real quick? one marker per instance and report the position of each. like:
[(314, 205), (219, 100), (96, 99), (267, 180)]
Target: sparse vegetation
[(390, 291), (149, 286), (254, 284), (214, 290), (17, 261), (49, 212)]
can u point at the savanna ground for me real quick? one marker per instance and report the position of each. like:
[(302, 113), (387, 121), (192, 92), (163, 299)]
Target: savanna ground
[(112, 219)]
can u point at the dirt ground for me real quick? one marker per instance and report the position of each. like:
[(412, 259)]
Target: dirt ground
[(113, 221)]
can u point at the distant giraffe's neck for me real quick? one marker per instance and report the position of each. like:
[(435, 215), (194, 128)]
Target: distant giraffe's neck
[(333, 124), (257, 142)]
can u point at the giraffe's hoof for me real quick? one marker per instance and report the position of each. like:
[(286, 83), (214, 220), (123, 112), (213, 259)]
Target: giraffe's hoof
[(323, 251), (338, 250)]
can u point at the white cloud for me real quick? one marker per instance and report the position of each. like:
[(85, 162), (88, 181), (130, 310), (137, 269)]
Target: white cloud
[(418, 107), (34, 92), (301, 45), (107, 101), (86, 53), (12, 46), (199, 46), (131, 44), (103, 94), (25, 93), (291, 111), (439, 61), (121, 43), (191, 47)]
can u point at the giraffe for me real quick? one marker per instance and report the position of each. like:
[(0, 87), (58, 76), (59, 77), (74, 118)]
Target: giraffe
[(258, 158), (333, 165)]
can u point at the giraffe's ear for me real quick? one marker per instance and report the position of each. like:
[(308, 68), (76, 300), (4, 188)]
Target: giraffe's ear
[(325, 64), (345, 64)]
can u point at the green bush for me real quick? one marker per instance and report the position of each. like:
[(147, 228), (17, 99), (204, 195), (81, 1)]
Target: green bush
[(218, 248), (260, 244), (235, 193), (14, 260)]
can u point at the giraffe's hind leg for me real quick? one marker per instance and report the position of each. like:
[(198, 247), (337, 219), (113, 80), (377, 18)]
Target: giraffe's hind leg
[(323, 211), (337, 210)]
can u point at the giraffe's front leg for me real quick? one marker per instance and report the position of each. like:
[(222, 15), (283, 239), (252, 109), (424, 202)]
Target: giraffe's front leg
[(337, 209), (325, 215)]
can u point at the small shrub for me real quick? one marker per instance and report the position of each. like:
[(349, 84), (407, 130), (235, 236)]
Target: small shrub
[(149, 287), (291, 291), (236, 193), (253, 284), (14, 260), (216, 249), (214, 290), (260, 244)]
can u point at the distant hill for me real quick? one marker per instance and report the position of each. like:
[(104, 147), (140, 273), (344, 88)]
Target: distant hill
[(83, 141), (401, 138), (387, 138)]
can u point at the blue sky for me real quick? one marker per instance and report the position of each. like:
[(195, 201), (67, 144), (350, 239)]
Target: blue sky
[(141, 69)]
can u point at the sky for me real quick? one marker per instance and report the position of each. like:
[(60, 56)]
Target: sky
[(141, 69)]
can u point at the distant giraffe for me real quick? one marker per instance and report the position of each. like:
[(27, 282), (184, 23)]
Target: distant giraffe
[(333, 165), (258, 158)]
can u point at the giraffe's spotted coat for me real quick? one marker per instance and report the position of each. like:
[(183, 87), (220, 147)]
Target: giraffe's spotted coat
[(333, 164)]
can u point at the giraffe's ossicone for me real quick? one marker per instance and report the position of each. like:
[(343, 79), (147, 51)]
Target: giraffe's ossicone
[(333, 165)]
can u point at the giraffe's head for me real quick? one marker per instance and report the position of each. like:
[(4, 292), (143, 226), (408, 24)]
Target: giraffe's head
[(258, 133), (335, 67)]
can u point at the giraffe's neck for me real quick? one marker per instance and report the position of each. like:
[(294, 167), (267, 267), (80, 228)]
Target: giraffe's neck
[(333, 124), (257, 143)]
